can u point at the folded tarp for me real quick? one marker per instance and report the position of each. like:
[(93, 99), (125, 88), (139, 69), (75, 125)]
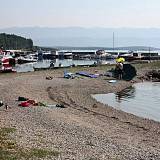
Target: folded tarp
[(82, 73)]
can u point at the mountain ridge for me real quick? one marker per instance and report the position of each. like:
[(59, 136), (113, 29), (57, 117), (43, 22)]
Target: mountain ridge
[(84, 37)]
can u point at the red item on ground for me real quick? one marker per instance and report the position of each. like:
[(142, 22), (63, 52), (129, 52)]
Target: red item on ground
[(31, 101), (25, 104)]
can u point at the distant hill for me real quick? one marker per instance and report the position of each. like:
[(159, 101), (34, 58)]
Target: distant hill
[(89, 37), (131, 48), (134, 48), (11, 41)]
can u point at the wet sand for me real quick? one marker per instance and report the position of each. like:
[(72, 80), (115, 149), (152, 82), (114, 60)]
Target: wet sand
[(85, 129)]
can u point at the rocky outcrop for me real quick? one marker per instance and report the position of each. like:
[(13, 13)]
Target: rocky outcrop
[(153, 75)]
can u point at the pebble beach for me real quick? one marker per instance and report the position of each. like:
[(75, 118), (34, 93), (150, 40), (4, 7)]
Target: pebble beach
[(85, 129)]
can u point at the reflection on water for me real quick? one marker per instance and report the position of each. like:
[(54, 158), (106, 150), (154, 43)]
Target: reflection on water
[(142, 100), (125, 94)]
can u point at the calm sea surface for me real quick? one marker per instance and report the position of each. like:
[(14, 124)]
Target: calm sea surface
[(143, 99), (46, 63)]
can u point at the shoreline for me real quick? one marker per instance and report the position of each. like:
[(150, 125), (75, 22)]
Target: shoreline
[(86, 128)]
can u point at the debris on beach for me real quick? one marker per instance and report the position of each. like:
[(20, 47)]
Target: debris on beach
[(55, 106), (112, 81), (30, 102), (1, 103), (33, 102), (51, 105), (86, 74), (24, 104), (109, 74), (41, 104), (49, 77), (22, 99), (94, 105), (69, 75), (6, 106)]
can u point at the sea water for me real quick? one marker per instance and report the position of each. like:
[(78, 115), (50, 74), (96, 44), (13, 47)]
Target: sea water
[(28, 67), (142, 99)]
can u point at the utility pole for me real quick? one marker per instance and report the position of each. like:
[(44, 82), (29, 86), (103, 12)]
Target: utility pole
[(149, 53), (113, 41)]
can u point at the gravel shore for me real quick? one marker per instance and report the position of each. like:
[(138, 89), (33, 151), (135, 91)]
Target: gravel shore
[(85, 129)]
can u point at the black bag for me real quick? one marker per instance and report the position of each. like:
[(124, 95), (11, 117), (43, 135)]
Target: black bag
[(129, 72)]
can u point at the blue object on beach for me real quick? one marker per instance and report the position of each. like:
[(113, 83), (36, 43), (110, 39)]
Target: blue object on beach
[(82, 73), (69, 75)]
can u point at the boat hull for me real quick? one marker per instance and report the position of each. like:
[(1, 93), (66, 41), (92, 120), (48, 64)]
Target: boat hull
[(22, 61)]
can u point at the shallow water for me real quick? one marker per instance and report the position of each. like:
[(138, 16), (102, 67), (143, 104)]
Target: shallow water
[(28, 67), (143, 99)]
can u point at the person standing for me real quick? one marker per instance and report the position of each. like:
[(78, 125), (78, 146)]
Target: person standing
[(119, 70)]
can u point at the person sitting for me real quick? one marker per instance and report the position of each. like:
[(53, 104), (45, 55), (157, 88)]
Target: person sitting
[(51, 64), (60, 64), (73, 65)]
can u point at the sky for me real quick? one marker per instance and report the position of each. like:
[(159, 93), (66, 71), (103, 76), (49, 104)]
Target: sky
[(82, 13)]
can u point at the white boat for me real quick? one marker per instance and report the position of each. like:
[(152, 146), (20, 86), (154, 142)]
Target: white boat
[(27, 59), (102, 54), (6, 57), (66, 54)]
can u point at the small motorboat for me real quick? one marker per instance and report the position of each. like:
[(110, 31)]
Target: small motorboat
[(7, 63), (8, 60), (29, 59)]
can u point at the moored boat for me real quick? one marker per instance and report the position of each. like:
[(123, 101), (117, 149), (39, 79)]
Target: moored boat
[(22, 60), (6, 57), (8, 60), (7, 70)]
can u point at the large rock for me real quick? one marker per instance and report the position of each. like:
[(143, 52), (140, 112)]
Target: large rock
[(154, 74)]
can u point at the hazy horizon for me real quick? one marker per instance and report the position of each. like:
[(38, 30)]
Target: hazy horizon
[(84, 13), (83, 23)]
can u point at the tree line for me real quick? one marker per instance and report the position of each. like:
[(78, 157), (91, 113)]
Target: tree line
[(11, 41)]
